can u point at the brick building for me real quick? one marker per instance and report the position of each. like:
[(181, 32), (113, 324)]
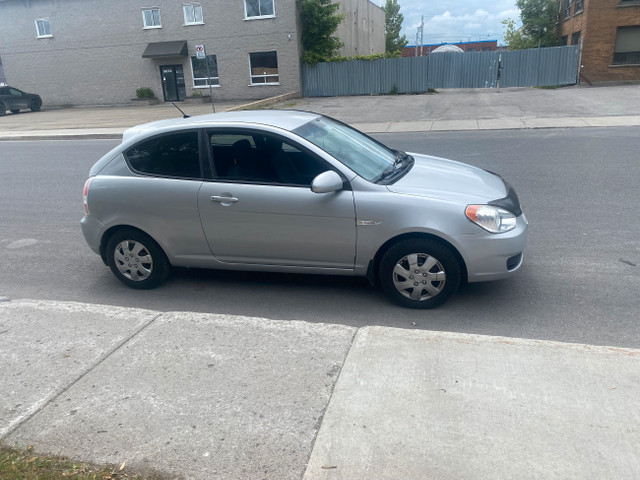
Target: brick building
[(479, 46), (610, 33), (84, 52)]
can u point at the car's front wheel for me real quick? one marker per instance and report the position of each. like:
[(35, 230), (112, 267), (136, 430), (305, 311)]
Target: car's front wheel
[(419, 273), (3, 109), (36, 105), (136, 259)]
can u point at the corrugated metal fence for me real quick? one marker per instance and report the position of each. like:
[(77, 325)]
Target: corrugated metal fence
[(518, 68)]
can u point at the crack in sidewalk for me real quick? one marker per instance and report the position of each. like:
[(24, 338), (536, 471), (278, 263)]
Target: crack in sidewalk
[(31, 412)]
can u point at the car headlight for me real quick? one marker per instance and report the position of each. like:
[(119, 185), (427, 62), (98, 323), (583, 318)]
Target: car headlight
[(492, 219)]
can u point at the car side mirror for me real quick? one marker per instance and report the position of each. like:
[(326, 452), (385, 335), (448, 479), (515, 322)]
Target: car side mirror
[(327, 182)]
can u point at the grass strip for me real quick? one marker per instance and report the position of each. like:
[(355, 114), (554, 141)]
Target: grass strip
[(18, 464)]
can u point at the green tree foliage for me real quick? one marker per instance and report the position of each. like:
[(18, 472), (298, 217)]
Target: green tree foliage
[(538, 25), (319, 22), (392, 27)]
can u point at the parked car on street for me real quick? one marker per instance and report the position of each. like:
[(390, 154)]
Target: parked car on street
[(15, 100), (293, 191)]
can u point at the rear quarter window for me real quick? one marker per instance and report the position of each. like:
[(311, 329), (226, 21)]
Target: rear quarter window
[(172, 155)]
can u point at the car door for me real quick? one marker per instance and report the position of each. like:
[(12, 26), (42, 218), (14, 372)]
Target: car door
[(6, 98), (18, 99), (161, 198), (257, 210)]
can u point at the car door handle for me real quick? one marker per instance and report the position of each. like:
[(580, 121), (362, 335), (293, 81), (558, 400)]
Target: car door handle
[(217, 198)]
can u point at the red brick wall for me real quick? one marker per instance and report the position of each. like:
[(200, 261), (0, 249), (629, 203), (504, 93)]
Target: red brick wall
[(598, 25)]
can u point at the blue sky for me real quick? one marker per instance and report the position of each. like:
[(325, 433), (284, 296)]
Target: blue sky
[(455, 21)]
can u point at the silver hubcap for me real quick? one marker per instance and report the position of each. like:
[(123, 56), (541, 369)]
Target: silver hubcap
[(419, 276), (133, 260)]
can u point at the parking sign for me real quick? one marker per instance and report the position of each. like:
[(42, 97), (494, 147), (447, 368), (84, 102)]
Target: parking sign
[(200, 52)]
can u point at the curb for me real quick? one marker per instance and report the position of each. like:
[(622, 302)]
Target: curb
[(86, 136), (265, 102), (423, 126)]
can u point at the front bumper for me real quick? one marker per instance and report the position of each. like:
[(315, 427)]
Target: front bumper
[(495, 256)]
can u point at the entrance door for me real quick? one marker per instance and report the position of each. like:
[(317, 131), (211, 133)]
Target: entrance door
[(173, 86)]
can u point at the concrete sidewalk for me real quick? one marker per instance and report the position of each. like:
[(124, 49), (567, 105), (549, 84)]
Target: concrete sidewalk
[(207, 396), (448, 110)]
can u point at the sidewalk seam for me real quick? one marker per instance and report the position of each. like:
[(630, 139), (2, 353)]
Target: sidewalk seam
[(38, 406), (320, 420)]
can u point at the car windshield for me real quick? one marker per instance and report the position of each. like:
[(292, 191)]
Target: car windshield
[(362, 154)]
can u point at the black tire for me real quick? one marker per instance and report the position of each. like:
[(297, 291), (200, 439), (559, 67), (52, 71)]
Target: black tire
[(139, 274), (434, 278), (36, 105), (3, 110), (15, 110)]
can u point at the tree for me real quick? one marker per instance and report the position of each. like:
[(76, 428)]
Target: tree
[(392, 27), (319, 22), (514, 38), (538, 25)]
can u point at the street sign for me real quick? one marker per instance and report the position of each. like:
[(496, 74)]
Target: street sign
[(200, 55)]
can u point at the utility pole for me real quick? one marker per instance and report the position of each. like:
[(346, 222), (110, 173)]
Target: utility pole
[(421, 34), (417, 38)]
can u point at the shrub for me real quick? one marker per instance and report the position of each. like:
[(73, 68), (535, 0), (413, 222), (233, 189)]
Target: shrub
[(145, 92), (375, 56)]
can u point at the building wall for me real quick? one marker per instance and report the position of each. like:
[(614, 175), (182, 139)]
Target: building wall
[(95, 54), (598, 25), (362, 30), (575, 22), (479, 46)]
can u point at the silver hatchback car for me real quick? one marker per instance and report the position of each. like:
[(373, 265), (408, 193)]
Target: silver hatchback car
[(293, 191)]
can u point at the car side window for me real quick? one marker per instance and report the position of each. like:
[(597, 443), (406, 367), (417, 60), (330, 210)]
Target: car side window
[(172, 155), (262, 158), (15, 92)]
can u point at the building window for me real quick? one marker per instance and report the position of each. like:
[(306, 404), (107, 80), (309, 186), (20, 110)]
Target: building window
[(200, 76), (151, 18), (564, 40), (627, 49), (43, 28), (264, 68), (567, 8), (192, 14), (575, 38), (259, 8), (579, 6)]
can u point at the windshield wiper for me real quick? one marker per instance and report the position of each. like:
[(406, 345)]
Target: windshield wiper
[(399, 162)]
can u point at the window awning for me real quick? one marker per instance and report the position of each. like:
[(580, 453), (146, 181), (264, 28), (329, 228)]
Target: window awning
[(166, 49)]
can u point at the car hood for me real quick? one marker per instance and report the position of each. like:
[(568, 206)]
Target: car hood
[(448, 179)]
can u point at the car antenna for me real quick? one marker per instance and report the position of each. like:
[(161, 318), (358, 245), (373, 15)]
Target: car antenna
[(184, 115)]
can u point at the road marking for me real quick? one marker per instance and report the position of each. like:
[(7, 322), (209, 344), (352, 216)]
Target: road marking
[(25, 242)]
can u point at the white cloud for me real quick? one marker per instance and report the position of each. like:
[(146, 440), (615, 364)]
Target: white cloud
[(455, 21)]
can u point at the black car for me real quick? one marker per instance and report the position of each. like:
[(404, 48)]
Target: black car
[(16, 100)]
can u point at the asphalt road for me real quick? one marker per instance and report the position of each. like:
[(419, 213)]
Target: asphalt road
[(580, 281)]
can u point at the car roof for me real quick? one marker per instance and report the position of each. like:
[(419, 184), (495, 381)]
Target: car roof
[(285, 119)]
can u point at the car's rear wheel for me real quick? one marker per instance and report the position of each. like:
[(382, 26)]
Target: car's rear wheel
[(136, 259), (419, 273), (3, 109), (15, 110), (36, 105)]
